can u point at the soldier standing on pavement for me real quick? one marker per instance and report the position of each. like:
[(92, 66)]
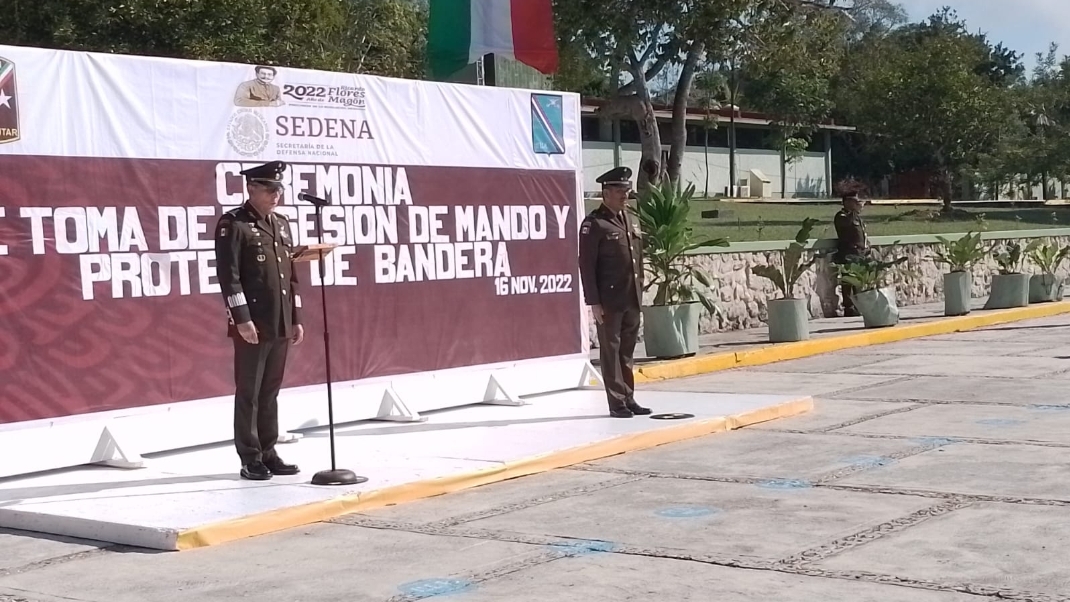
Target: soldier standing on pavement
[(851, 241), (254, 247), (611, 272)]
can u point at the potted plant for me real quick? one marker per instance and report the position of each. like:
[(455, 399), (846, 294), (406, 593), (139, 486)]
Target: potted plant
[(872, 296), (1010, 287), (789, 318), (1047, 286), (671, 321), (960, 256)]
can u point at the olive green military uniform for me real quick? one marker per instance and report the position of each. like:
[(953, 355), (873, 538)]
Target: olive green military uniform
[(851, 240), (611, 273), (258, 282)]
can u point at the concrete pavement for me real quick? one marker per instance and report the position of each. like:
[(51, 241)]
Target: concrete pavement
[(932, 470)]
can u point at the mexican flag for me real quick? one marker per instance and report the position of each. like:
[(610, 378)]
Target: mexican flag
[(461, 31)]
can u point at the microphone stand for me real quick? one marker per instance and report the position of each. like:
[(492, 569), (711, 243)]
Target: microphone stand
[(334, 476)]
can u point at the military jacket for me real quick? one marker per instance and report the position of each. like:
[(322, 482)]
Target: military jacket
[(254, 264), (851, 235), (611, 260)]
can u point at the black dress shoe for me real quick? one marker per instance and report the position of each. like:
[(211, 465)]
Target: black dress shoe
[(278, 467), (255, 471), (637, 409), (621, 413)]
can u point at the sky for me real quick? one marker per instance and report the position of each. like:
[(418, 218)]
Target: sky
[(1029, 27)]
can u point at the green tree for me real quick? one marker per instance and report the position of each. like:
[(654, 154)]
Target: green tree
[(638, 41), (924, 95), (1007, 162), (633, 41), (780, 56), (578, 71), (709, 86), (869, 17), (396, 46), (1034, 149), (791, 78), (313, 34)]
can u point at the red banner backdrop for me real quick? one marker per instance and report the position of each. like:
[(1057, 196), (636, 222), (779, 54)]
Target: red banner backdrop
[(119, 307)]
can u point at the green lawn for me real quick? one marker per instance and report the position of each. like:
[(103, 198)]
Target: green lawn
[(742, 222)]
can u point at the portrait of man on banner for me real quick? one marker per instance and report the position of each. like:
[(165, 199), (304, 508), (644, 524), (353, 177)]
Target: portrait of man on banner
[(260, 92)]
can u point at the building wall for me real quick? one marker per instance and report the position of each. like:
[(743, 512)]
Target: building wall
[(806, 178)]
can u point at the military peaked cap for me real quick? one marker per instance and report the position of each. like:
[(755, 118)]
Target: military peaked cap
[(268, 173), (618, 176)]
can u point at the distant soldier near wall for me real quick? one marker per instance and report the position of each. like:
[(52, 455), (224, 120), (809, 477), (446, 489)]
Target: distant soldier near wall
[(851, 241)]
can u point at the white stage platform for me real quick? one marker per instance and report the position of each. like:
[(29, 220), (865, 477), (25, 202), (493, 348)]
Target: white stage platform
[(194, 497)]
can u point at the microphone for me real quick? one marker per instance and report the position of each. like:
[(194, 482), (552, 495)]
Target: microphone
[(315, 200)]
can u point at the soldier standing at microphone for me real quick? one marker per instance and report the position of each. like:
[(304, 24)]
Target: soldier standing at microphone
[(611, 272), (254, 248)]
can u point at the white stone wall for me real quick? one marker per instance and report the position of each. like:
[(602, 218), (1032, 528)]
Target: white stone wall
[(920, 280), (743, 297)]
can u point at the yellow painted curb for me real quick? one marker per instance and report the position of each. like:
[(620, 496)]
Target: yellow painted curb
[(789, 351), (297, 516)]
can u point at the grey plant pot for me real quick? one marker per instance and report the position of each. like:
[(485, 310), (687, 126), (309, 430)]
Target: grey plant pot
[(1045, 288), (878, 307), (957, 293), (1008, 290), (671, 330), (789, 320)]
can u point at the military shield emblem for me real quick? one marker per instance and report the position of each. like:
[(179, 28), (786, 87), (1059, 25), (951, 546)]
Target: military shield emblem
[(9, 103), (547, 124)]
